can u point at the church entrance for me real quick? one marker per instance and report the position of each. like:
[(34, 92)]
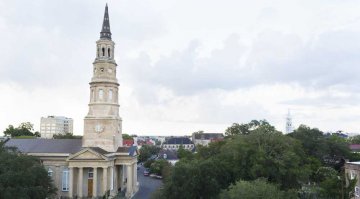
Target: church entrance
[(90, 183)]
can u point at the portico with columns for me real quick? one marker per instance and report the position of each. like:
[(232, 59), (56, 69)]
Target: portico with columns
[(92, 174)]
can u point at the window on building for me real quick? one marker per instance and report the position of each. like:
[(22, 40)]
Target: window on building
[(91, 173), (109, 55), (50, 172), (103, 52), (110, 95), (65, 180), (352, 175), (101, 94)]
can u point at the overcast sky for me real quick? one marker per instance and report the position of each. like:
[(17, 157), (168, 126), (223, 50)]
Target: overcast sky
[(185, 65)]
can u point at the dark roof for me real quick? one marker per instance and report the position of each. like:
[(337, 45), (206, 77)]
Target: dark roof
[(105, 30), (99, 150), (208, 136), (46, 145), (122, 149), (170, 154), (131, 150), (179, 140)]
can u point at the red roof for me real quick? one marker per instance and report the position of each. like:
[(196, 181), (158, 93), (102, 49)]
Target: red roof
[(128, 142), (354, 146)]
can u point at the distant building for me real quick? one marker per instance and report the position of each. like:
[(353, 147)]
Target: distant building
[(174, 143), (289, 126), (355, 148), (206, 138), (55, 125), (128, 142), (169, 155)]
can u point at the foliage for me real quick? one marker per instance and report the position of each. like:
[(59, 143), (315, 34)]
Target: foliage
[(355, 139), (67, 136), (127, 137), (330, 150), (22, 176), (24, 129), (244, 129), (256, 189), (198, 179), (182, 153), (148, 163), (158, 167), (146, 151), (306, 163)]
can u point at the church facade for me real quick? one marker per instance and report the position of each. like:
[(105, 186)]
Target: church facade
[(98, 164)]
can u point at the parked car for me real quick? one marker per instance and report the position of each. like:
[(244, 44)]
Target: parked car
[(146, 173), (159, 177), (152, 175)]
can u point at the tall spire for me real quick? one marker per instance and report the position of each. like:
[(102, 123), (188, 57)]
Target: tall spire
[(105, 31)]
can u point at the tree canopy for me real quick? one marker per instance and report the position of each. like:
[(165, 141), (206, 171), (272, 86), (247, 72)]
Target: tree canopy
[(24, 129), (288, 164), (22, 176)]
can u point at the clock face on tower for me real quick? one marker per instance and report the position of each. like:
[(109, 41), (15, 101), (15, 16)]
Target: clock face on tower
[(99, 128)]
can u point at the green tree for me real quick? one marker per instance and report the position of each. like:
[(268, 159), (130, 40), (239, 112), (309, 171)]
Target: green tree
[(22, 176), (127, 137), (158, 167), (256, 189), (67, 136), (355, 139), (244, 129), (182, 153), (24, 129), (146, 151)]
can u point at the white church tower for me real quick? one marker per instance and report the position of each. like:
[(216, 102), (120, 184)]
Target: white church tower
[(102, 125), (289, 126)]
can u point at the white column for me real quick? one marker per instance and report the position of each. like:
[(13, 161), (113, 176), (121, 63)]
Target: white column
[(115, 169), (129, 182), (105, 180), (71, 182), (135, 177), (80, 182), (95, 182)]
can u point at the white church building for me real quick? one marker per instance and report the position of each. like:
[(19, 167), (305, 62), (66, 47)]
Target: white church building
[(98, 164)]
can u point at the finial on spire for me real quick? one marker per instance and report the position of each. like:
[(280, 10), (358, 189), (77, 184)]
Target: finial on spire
[(105, 31)]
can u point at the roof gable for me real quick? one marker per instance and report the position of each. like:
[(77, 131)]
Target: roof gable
[(87, 154)]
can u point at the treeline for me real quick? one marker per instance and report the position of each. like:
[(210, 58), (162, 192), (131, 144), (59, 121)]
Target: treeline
[(257, 161)]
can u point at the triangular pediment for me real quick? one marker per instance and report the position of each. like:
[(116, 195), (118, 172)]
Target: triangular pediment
[(87, 154)]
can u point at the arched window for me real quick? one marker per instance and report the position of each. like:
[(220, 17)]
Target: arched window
[(109, 55), (101, 94), (110, 95), (103, 52)]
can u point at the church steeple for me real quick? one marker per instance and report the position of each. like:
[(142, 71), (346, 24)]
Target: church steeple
[(105, 31)]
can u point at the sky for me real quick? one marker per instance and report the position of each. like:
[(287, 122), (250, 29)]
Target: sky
[(185, 65)]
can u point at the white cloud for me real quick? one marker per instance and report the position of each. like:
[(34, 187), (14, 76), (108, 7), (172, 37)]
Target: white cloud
[(185, 65)]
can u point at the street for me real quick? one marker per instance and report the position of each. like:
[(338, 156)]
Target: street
[(147, 185)]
